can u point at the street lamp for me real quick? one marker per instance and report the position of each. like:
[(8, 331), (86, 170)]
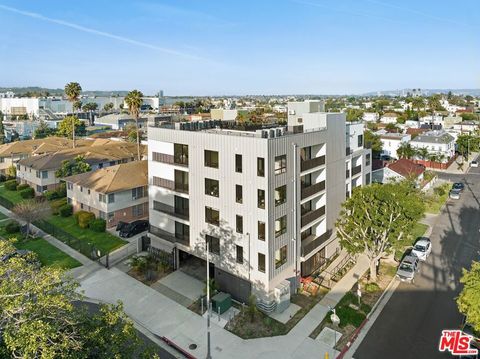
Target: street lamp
[(336, 322)]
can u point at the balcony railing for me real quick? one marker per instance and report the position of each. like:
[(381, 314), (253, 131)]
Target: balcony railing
[(179, 160), (356, 170), (311, 243), (165, 208), (171, 185), (312, 163), (312, 215), (170, 237), (311, 190)]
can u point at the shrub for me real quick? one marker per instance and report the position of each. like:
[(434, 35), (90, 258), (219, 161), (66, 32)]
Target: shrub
[(11, 185), (51, 195), (65, 210), (56, 204), (3, 178), (439, 191), (84, 218), (98, 225), (22, 186), (27, 193), (62, 190), (12, 227), (372, 287)]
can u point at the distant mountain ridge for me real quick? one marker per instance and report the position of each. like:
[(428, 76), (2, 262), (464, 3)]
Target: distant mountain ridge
[(427, 92)]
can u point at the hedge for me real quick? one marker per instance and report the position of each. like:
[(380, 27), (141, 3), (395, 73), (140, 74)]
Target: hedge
[(98, 225), (27, 193), (83, 218), (11, 185), (12, 227), (51, 195), (66, 210), (22, 186), (56, 204)]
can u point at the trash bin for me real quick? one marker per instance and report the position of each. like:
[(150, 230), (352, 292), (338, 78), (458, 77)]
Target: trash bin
[(222, 301)]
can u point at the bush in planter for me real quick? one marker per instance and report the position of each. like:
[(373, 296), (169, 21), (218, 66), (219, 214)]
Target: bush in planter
[(22, 186), (12, 227), (56, 204), (98, 225), (65, 210), (83, 218), (11, 185), (27, 193)]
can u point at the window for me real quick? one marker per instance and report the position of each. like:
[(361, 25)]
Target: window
[(102, 198), (213, 244), (211, 187), (2, 159), (238, 193), (239, 224), (238, 163), (111, 198), (69, 186), (181, 181), (88, 191), (306, 207), (261, 198), (360, 140), (37, 174), (280, 195), (138, 192), (261, 262), (306, 180), (112, 163), (44, 174), (367, 160), (181, 205), (280, 257), (211, 159), (239, 254), (81, 205), (306, 233), (280, 164), (180, 154), (306, 153), (261, 230), (81, 189), (280, 226), (137, 211), (261, 166), (212, 216), (69, 200), (182, 231), (367, 178)]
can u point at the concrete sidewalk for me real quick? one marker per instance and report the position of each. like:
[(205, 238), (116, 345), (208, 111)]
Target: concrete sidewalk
[(454, 167)]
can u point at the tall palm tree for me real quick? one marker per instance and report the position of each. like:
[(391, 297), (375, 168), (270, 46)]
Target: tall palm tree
[(422, 153), (405, 150), (73, 91), (134, 102), (432, 158), (418, 102)]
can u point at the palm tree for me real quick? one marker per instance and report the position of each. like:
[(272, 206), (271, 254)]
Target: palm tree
[(440, 158), (422, 153), (432, 158), (405, 150), (134, 102), (73, 91), (418, 102)]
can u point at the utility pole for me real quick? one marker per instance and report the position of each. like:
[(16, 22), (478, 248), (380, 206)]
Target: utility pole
[(209, 356)]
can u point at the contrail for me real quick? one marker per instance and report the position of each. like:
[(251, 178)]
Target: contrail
[(99, 33)]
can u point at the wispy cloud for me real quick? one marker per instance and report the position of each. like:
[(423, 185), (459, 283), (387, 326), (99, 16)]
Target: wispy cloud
[(101, 33)]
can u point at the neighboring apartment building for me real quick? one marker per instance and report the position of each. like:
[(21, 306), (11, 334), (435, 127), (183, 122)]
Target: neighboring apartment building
[(391, 142), (266, 201), (116, 193), (358, 161), (436, 142), (39, 171)]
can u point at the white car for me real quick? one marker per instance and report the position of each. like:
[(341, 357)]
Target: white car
[(474, 164), (422, 248), (454, 194)]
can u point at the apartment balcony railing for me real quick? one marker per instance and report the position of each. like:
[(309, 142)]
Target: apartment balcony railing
[(170, 210), (312, 215), (170, 159), (171, 185), (311, 243), (170, 237), (356, 170), (347, 173), (312, 189), (306, 165)]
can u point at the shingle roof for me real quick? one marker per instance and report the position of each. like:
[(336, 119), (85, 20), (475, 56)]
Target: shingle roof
[(114, 178), (44, 145), (434, 137), (407, 168)]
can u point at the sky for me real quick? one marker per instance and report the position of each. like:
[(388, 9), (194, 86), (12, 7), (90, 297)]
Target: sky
[(242, 47)]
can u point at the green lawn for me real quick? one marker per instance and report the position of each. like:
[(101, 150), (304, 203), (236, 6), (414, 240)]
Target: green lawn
[(419, 230), (13, 196), (435, 202), (105, 242)]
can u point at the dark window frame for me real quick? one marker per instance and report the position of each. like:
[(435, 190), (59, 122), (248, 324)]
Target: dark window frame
[(209, 160)]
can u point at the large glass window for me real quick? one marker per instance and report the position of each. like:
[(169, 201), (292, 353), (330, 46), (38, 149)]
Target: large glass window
[(280, 257), (181, 205), (239, 224), (182, 231), (139, 192), (238, 193), (280, 226), (261, 262), (213, 244), (261, 230), (280, 195), (261, 198), (360, 140), (239, 254), (212, 216), (111, 198), (261, 166), (280, 164), (181, 181), (306, 180), (306, 153), (238, 163), (211, 187), (180, 154), (211, 159)]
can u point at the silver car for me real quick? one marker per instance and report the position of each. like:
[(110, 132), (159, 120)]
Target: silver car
[(407, 269), (454, 194), (422, 248)]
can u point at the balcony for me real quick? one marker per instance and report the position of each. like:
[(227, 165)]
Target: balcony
[(170, 237), (311, 190), (170, 210), (179, 160), (311, 243), (306, 165), (171, 185), (312, 215), (356, 170)]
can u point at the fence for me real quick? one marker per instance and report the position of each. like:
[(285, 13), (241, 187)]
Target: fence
[(119, 254), (6, 203), (87, 249)]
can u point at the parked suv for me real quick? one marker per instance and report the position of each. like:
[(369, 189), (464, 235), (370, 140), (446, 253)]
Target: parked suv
[(458, 186), (133, 228), (422, 248), (407, 269)]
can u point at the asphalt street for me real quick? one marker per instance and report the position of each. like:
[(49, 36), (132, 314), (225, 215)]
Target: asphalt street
[(410, 324)]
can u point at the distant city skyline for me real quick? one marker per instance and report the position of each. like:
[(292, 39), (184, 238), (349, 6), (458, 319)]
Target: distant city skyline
[(217, 48)]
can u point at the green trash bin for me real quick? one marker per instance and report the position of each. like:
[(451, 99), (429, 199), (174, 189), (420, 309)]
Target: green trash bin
[(222, 301)]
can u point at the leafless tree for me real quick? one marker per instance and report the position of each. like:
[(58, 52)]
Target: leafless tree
[(30, 211)]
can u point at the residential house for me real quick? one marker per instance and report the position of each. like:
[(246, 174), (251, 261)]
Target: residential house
[(115, 193), (370, 116), (391, 142), (389, 118), (436, 142), (399, 170)]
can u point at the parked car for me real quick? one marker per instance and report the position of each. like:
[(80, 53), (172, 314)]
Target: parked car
[(407, 269), (454, 194), (133, 228), (474, 164), (422, 248), (458, 186), (120, 225)]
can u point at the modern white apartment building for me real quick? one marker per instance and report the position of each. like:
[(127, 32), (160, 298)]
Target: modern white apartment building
[(266, 200)]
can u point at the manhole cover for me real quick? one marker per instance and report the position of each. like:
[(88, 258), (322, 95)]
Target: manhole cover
[(192, 346)]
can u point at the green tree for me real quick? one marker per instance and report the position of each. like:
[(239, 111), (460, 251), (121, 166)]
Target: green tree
[(376, 216), (43, 130), (418, 103), (70, 127), (354, 114), (373, 141), (422, 153), (73, 91), (70, 168), (90, 106), (469, 299), (108, 107), (11, 171), (2, 130), (405, 150), (134, 102), (434, 103)]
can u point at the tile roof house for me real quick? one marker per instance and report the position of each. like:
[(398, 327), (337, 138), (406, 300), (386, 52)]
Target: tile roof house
[(399, 170), (116, 193)]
